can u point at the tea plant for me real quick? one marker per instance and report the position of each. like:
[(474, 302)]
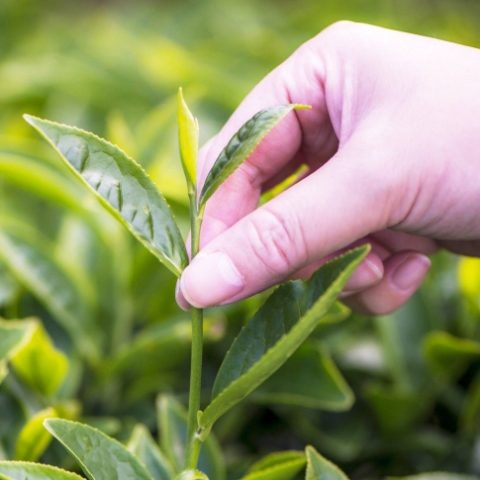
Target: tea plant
[(274, 333)]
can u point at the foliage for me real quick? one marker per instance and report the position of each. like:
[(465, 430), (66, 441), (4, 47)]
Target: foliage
[(101, 336)]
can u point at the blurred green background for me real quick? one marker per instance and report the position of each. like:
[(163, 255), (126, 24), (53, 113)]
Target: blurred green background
[(114, 68)]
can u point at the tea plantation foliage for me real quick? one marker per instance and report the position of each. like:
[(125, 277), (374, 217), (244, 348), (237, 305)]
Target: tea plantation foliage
[(90, 331)]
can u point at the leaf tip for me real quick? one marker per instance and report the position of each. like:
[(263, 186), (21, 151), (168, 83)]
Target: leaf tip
[(301, 106)]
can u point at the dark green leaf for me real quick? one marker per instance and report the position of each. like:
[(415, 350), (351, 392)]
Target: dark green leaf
[(241, 146), (123, 187), (144, 448), (436, 476), (100, 457), (34, 471), (319, 468), (281, 325)]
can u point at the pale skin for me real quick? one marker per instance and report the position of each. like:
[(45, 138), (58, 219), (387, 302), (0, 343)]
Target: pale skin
[(392, 145)]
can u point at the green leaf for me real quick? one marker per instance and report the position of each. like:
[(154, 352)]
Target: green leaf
[(101, 457), (33, 439), (13, 335), (241, 146), (308, 379), (277, 466), (172, 424), (281, 325), (35, 471), (122, 186), (188, 139), (191, 475), (40, 364), (9, 287), (145, 449), (34, 265), (319, 468), (448, 355)]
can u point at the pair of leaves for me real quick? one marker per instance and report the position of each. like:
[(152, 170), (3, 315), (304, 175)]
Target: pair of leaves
[(281, 325)]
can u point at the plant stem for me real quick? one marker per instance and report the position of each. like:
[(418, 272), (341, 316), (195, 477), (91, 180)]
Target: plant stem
[(194, 442)]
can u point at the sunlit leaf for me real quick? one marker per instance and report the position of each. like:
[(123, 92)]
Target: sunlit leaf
[(191, 475), (13, 335), (145, 449), (35, 471), (319, 468), (123, 187), (100, 457), (277, 466), (33, 439), (241, 146), (281, 325)]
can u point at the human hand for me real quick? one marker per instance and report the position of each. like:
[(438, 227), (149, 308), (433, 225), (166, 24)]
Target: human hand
[(392, 145)]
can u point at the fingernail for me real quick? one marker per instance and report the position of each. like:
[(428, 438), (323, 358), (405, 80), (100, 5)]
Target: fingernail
[(181, 300), (211, 279), (410, 272)]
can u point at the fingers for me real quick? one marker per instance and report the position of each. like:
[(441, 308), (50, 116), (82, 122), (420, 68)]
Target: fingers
[(403, 274), (329, 209)]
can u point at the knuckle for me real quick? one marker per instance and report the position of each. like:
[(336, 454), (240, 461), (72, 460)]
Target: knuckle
[(274, 242)]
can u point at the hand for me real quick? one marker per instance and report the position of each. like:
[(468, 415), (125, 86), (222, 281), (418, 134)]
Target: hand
[(392, 145)]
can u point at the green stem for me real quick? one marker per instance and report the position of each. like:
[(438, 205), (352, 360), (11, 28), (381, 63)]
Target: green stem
[(194, 442)]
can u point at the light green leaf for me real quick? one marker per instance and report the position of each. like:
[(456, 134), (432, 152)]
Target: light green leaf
[(3, 370), (281, 325), (277, 466), (191, 475), (34, 265), (35, 471), (172, 424), (319, 468), (145, 449), (33, 439), (123, 187), (308, 379), (9, 287), (241, 146), (436, 476), (188, 139), (101, 457), (13, 335), (448, 355), (40, 364)]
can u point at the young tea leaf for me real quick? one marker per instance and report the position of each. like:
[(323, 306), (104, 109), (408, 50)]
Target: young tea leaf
[(101, 457), (188, 139), (277, 466), (13, 335), (145, 449), (191, 475), (319, 468), (281, 325), (123, 187), (34, 471), (241, 146)]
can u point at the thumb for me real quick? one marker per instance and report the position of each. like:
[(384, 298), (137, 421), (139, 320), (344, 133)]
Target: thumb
[(338, 204)]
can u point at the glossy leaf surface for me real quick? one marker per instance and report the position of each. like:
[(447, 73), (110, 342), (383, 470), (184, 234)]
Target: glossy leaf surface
[(40, 364), (308, 379), (101, 457), (172, 424), (241, 146), (319, 468), (33, 439), (123, 186), (146, 450), (188, 139), (281, 325), (35, 471), (35, 267), (277, 466)]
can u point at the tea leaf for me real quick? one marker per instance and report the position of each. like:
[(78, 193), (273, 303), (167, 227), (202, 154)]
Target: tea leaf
[(122, 186), (308, 379), (281, 325), (101, 457), (191, 475), (34, 266), (33, 439), (172, 424), (277, 466), (34, 471), (188, 139), (145, 449), (241, 146), (13, 335), (40, 364), (319, 468)]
